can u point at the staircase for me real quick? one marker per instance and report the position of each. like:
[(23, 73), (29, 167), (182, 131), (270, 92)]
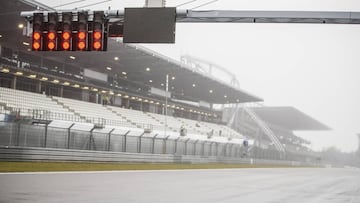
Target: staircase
[(160, 122), (69, 109), (265, 128), (123, 117)]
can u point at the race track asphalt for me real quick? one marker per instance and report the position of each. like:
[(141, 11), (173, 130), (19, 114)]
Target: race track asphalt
[(220, 185)]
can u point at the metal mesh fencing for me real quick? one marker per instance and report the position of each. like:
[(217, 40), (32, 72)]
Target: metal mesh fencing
[(27, 134)]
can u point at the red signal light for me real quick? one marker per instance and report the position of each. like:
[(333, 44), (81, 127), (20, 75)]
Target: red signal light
[(36, 41), (51, 35), (81, 45), (36, 35), (97, 45), (81, 35), (51, 45), (66, 35), (65, 45), (97, 35), (36, 45)]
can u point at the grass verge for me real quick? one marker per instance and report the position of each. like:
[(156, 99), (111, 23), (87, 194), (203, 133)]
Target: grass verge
[(71, 166)]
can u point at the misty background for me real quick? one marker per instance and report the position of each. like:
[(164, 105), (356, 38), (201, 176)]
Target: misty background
[(312, 67)]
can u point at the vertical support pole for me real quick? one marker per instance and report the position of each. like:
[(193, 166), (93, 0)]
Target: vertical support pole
[(186, 144), (166, 102), (235, 146), (125, 140), (227, 149), (176, 143), (185, 147), (211, 148), (236, 152), (68, 137), (11, 135), (164, 144), (46, 133), (153, 144), (217, 149), (109, 139), (203, 148), (139, 145), (223, 152), (230, 150), (194, 150), (18, 133), (91, 138)]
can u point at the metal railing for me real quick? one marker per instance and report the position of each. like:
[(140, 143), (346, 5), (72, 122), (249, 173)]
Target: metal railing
[(45, 115), (45, 136), (265, 129)]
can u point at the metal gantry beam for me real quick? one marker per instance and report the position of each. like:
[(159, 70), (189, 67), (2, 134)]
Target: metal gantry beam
[(239, 16), (235, 16)]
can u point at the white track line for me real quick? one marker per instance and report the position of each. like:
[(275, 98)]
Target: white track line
[(125, 171)]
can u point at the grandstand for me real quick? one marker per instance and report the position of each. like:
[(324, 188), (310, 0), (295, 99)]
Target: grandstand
[(278, 121), (116, 101)]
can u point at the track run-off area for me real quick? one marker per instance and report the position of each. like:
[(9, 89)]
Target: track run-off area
[(199, 185)]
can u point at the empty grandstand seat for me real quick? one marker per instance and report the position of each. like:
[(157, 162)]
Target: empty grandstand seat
[(29, 103), (94, 112)]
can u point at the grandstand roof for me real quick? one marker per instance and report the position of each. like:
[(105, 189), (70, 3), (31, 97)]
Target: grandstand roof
[(289, 118), (132, 59)]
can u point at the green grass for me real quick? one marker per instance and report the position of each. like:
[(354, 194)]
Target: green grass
[(71, 166)]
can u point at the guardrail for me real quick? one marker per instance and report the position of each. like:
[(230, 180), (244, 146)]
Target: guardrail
[(43, 154)]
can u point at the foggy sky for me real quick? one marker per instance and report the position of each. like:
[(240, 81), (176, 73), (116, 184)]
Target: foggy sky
[(314, 68)]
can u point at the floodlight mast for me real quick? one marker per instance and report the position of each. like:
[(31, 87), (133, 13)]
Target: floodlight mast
[(238, 16)]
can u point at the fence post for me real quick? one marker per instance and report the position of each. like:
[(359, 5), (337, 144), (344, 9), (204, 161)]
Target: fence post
[(124, 143), (211, 148), (91, 139), (18, 134), (139, 145), (176, 143), (186, 142), (225, 149), (68, 140), (46, 132), (109, 139), (153, 144), (194, 150), (228, 150), (216, 148), (231, 150), (164, 144), (203, 149)]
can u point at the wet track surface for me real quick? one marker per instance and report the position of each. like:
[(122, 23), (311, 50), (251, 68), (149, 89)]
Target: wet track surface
[(224, 185)]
